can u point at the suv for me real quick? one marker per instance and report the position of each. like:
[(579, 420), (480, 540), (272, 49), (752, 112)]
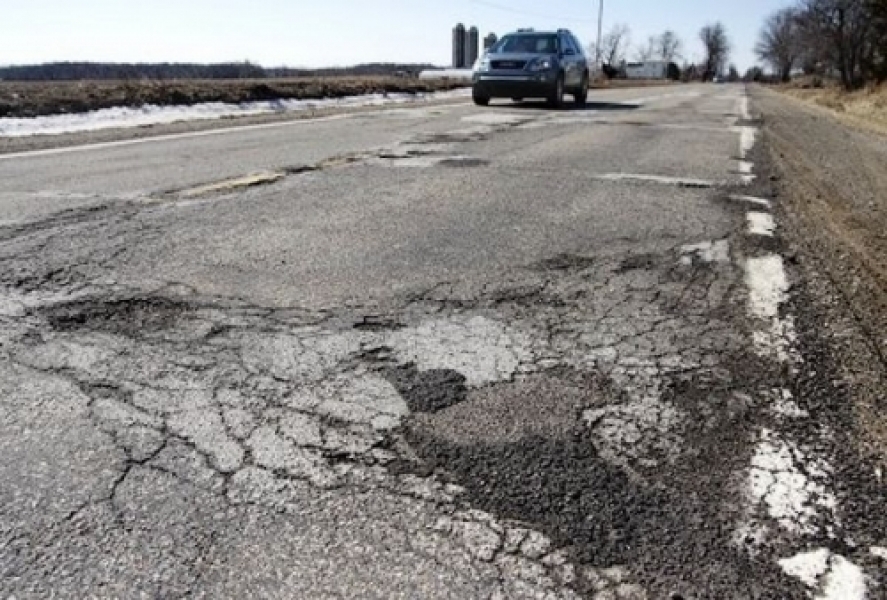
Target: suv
[(532, 64)]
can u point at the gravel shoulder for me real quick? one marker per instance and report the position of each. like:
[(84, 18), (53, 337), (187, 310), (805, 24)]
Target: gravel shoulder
[(832, 186)]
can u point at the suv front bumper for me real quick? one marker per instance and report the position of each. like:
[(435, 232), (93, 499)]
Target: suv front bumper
[(492, 85)]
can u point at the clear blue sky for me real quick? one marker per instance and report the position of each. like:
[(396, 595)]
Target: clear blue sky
[(334, 32)]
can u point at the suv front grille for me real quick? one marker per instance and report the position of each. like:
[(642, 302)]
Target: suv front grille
[(508, 65)]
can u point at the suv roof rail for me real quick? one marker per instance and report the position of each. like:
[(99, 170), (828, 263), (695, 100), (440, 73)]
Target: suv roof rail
[(563, 31), (526, 30)]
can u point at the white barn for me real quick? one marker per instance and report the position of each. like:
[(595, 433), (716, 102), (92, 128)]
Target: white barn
[(651, 69)]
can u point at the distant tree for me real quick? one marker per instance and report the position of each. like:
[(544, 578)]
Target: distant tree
[(754, 74), (733, 74), (717, 49), (841, 32), (779, 43), (615, 44), (669, 46), (647, 51)]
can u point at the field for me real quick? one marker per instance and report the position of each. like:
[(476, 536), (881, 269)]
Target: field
[(866, 108), (31, 99)]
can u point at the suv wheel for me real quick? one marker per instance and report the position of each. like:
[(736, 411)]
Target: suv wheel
[(581, 95), (556, 99), (480, 100)]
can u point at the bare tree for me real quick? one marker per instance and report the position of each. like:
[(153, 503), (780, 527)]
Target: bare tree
[(647, 51), (615, 44), (779, 43), (669, 46), (845, 27), (717, 49)]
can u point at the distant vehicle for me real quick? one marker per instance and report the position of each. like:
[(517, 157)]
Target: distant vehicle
[(533, 64)]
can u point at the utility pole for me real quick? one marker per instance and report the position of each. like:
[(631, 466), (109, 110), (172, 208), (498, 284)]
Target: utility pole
[(600, 31)]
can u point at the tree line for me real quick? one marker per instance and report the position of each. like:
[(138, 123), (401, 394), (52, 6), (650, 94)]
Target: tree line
[(79, 71), (668, 47), (844, 38)]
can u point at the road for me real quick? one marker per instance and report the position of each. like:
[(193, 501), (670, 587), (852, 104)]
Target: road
[(432, 351)]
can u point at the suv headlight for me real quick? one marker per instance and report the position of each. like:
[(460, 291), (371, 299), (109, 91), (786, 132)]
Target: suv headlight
[(482, 65), (541, 64)]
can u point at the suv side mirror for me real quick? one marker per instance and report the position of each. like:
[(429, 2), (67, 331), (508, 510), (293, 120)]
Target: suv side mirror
[(568, 52)]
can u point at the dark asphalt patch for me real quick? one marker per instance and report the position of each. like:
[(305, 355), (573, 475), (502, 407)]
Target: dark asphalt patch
[(377, 324), (638, 262), (454, 137), (523, 453), (427, 391), (463, 162), (566, 262), (132, 317)]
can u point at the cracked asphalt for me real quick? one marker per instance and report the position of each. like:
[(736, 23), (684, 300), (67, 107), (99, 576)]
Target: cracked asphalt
[(423, 352)]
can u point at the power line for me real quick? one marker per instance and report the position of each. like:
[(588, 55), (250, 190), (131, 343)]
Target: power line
[(530, 13)]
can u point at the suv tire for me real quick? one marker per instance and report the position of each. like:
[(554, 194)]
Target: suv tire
[(556, 99), (581, 95), (480, 100)]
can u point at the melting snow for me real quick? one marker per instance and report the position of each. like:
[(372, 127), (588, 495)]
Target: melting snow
[(156, 115)]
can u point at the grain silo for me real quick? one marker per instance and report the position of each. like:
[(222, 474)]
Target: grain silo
[(472, 46), (459, 46)]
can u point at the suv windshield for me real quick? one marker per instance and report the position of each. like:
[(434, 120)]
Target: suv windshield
[(527, 44)]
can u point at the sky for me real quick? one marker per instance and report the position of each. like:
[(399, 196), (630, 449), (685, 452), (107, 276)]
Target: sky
[(316, 33)]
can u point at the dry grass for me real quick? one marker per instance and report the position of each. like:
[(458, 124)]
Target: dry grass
[(866, 108), (30, 99)]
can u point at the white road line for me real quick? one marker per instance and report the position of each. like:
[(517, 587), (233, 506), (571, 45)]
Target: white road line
[(762, 202), (760, 223), (830, 576), (767, 284)]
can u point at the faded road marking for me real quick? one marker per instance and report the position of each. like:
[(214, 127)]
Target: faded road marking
[(760, 223)]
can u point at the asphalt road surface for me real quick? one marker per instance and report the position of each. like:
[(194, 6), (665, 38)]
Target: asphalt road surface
[(432, 351)]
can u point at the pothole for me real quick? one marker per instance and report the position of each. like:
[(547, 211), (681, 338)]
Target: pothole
[(565, 262), (463, 162), (232, 185), (131, 317)]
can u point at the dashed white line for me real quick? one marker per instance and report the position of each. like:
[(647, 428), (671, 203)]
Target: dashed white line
[(760, 223), (762, 202), (768, 285)]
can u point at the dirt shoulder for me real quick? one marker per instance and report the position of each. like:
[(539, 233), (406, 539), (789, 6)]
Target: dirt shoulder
[(863, 109), (831, 186)]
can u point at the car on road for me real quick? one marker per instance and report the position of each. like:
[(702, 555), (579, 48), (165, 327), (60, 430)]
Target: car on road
[(532, 64)]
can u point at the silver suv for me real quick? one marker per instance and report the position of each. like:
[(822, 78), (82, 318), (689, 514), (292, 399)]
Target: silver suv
[(533, 64)]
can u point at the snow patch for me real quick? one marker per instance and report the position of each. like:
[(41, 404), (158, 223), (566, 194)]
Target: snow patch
[(150, 114)]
